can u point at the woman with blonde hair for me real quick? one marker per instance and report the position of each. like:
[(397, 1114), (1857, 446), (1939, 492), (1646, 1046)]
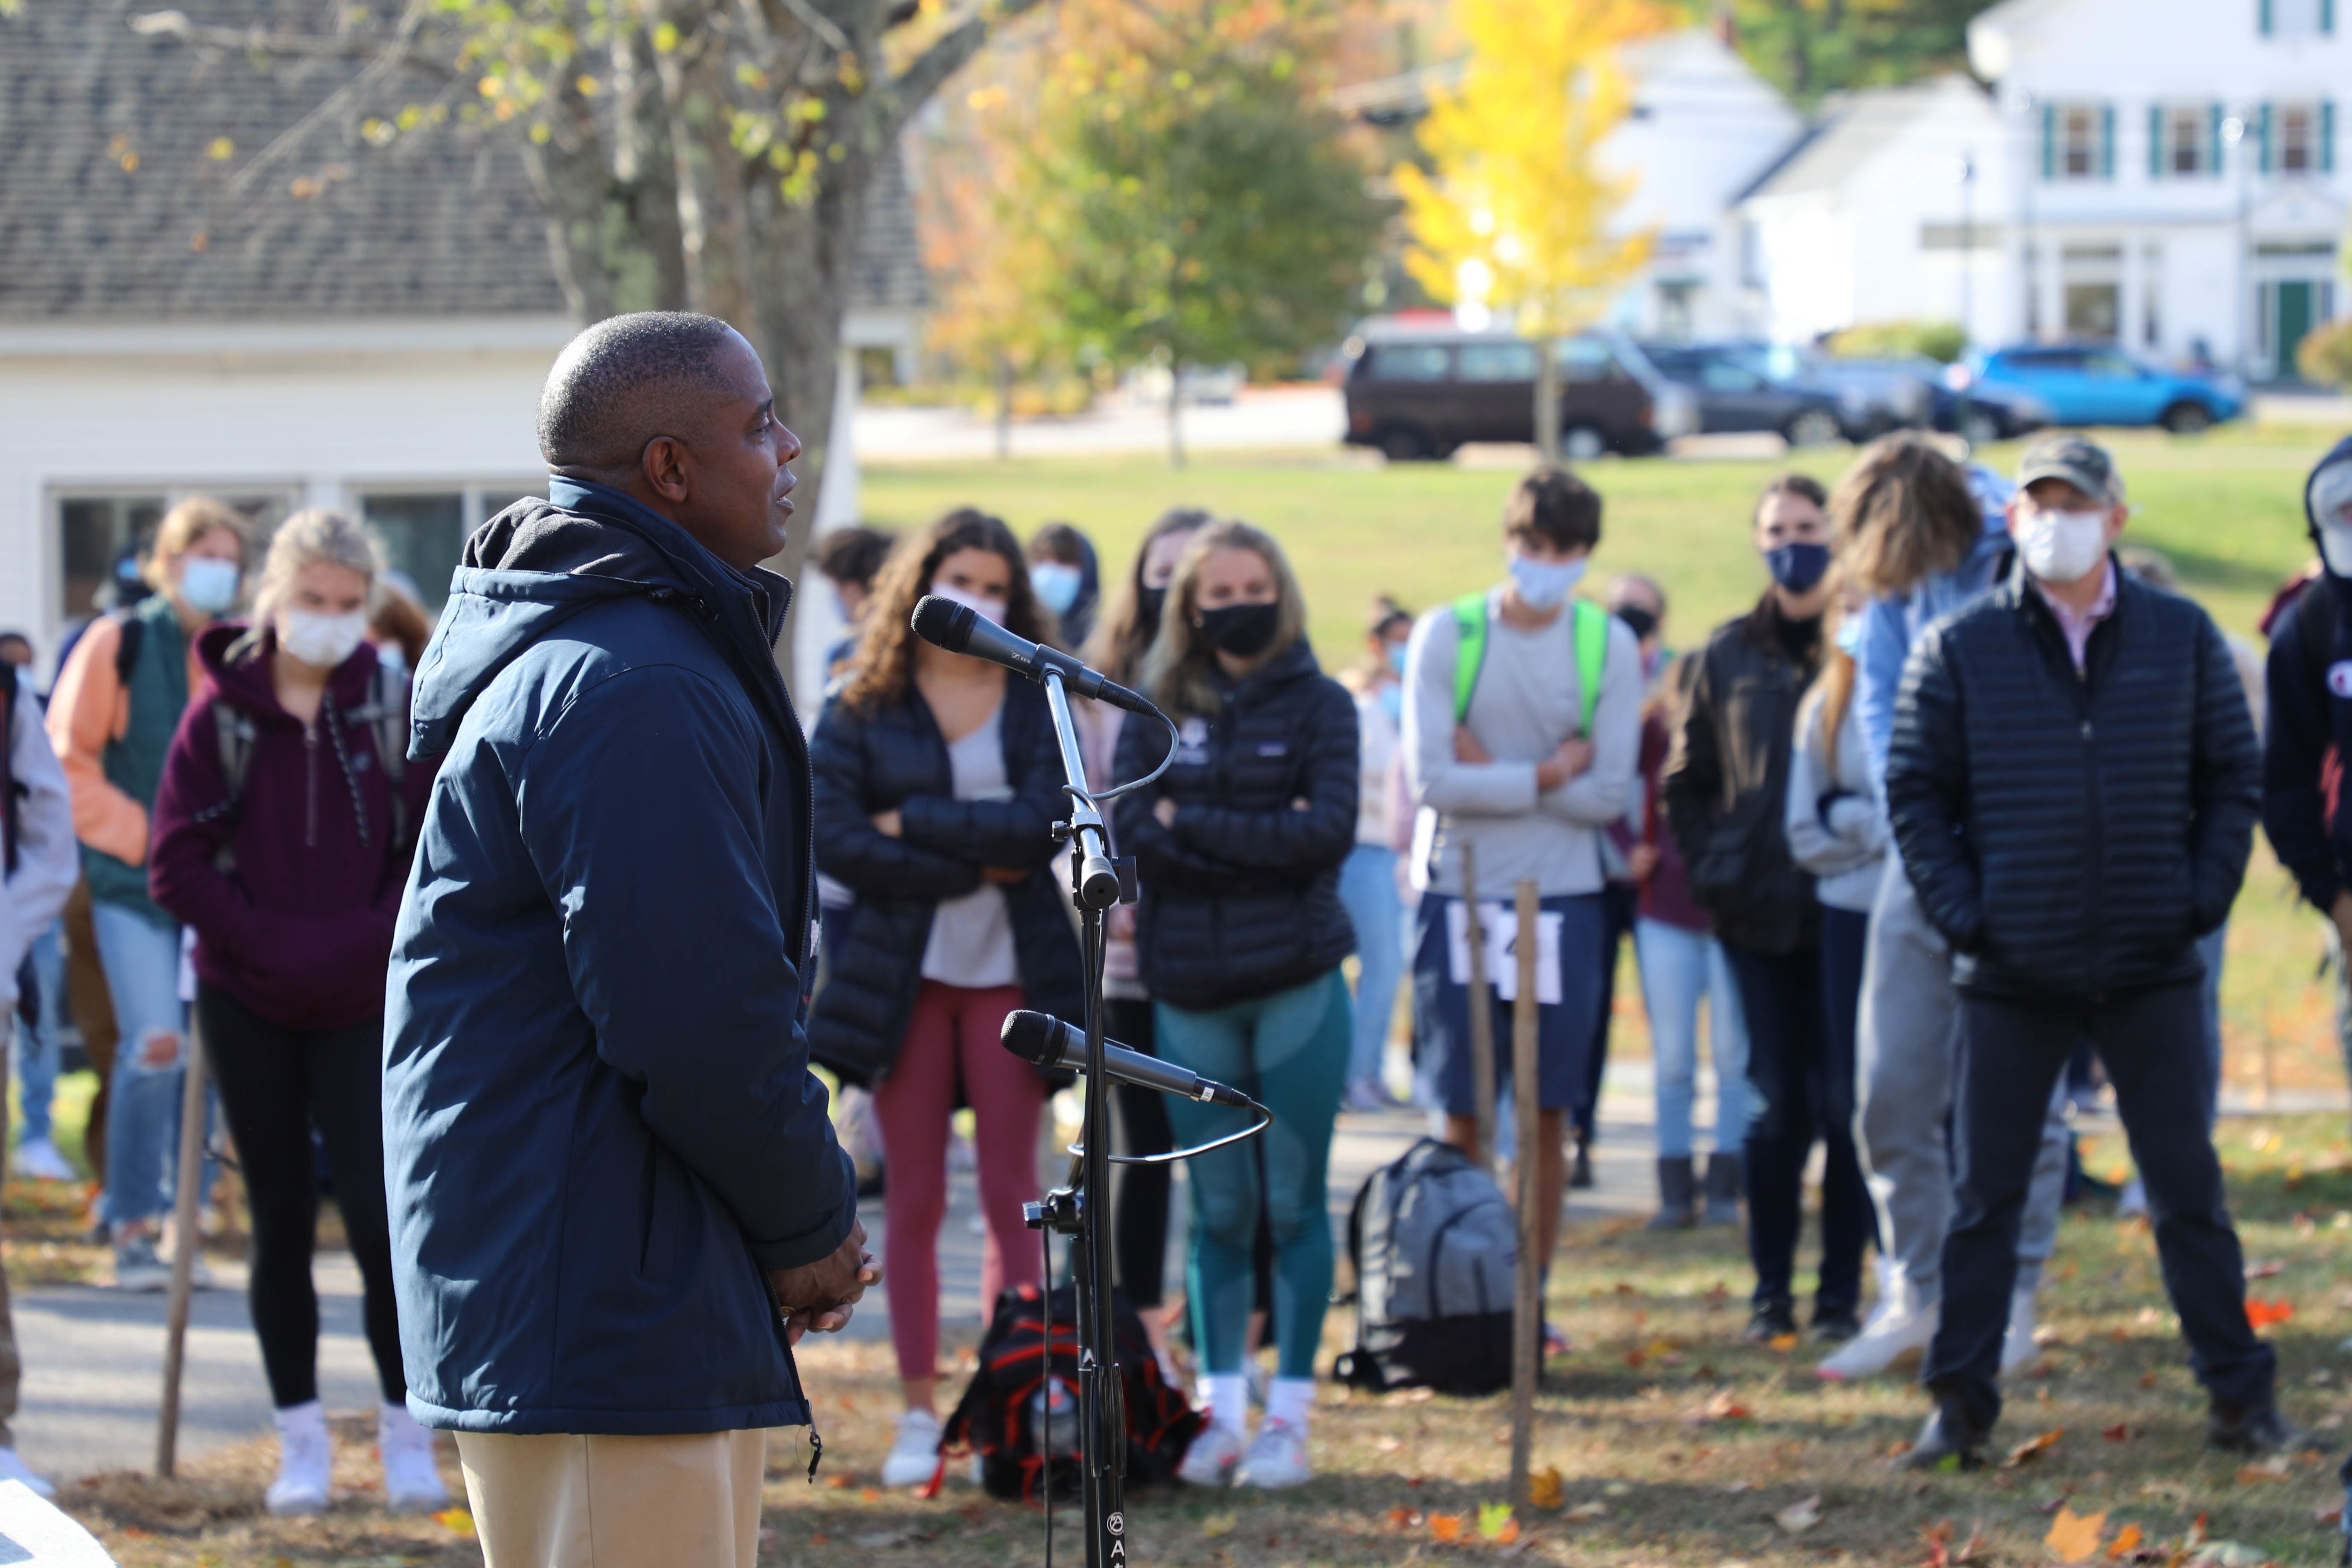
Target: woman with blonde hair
[(1240, 933), (110, 718), (937, 781), (284, 828)]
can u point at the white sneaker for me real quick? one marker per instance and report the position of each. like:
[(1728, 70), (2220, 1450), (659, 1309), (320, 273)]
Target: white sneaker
[(1901, 1327), (136, 1267), (1210, 1461), (12, 1468), (2017, 1347), (305, 1460), (412, 1481), (914, 1452), (39, 1161), (1277, 1458)]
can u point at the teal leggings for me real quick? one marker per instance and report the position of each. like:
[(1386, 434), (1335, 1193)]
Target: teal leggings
[(1289, 1052)]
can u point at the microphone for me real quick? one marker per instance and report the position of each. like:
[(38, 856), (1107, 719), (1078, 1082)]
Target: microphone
[(1042, 1041), (959, 628)]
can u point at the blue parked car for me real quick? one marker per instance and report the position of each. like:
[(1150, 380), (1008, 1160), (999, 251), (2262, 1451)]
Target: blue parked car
[(2099, 385)]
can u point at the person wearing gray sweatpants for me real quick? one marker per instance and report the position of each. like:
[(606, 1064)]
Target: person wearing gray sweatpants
[(1924, 537)]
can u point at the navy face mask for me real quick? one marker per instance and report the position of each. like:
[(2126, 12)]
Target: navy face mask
[(1797, 567)]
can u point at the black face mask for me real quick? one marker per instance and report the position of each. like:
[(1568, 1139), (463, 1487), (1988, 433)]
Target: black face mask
[(1642, 622), (1241, 630), (1149, 604)]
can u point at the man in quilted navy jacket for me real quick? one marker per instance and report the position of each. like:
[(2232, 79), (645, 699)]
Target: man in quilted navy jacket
[(2073, 783)]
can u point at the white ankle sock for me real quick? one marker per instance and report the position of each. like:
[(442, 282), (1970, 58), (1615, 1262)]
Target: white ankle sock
[(1290, 1399), (309, 1417), (1227, 1395)]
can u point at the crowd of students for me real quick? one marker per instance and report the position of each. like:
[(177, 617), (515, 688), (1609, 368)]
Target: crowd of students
[(1958, 797)]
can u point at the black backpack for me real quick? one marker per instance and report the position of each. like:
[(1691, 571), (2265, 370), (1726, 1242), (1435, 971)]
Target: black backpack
[(1435, 1244), (1013, 1391)]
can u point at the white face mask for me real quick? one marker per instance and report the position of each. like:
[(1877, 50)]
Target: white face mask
[(2336, 546), (2061, 547), (2331, 502), (1542, 585), (991, 609), (321, 641), (208, 585)]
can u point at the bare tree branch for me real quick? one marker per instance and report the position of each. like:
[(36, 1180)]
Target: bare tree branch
[(947, 54), (260, 41)]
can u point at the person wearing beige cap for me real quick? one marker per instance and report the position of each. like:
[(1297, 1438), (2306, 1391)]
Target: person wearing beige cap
[(2072, 784)]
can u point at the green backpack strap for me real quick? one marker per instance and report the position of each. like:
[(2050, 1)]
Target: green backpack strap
[(1592, 654), (1470, 624)]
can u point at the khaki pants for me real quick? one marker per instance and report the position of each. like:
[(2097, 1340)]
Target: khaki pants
[(567, 1501)]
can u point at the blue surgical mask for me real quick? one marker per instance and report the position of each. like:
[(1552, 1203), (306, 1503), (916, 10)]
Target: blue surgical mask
[(1849, 635), (208, 586), (1396, 657), (1542, 585), (1056, 585)]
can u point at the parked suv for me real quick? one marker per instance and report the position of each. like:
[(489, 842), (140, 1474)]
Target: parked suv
[(1734, 394), (2100, 384), (1418, 393)]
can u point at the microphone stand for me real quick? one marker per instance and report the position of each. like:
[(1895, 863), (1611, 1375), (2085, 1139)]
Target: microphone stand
[(1077, 1209)]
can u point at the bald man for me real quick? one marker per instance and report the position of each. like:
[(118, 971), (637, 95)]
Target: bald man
[(616, 1200)]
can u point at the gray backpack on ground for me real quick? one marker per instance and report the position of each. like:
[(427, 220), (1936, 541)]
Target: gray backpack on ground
[(1434, 1246)]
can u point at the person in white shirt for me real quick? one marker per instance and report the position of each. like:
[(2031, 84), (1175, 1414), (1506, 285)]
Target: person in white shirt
[(1368, 882)]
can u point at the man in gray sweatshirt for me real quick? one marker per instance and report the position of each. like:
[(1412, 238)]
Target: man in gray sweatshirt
[(1522, 728)]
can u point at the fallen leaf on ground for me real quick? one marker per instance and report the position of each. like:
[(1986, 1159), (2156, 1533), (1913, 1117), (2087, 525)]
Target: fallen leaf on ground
[(1722, 1405), (456, 1521), (1616, 1488), (2263, 1269), (1799, 1517), (1736, 1487), (842, 1480), (1403, 1519), (2074, 1536), (1781, 1344), (1544, 1489), (1445, 1526), (1594, 1509), (2263, 1314), (2273, 1469), (2126, 1539), (2118, 1433), (1217, 1524), (2328, 1515), (2229, 1555), (1939, 1539), (1387, 1445), (869, 1494), (1495, 1523), (2033, 1449)]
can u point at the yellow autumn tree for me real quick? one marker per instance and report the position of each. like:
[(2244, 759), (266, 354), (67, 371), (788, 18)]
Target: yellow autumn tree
[(1514, 211)]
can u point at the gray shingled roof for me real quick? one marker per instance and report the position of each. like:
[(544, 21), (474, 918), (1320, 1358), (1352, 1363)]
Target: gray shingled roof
[(112, 206)]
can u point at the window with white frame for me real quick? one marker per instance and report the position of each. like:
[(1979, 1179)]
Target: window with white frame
[(2294, 131), (2189, 137), (2295, 19), (2077, 146)]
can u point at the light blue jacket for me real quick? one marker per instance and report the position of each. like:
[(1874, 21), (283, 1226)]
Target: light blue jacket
[(1892, 624)]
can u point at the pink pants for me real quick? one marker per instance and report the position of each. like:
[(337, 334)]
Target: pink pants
[(953, 1039)]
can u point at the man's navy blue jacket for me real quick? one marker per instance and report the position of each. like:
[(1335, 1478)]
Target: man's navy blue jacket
[(600, 1127), (2310, 714)]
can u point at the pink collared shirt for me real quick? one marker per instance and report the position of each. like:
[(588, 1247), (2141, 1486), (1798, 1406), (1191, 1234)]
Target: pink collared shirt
[(2077, 627)]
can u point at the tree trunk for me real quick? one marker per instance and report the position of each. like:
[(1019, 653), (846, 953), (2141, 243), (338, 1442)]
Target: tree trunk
[(1175, 413), (1547, 399)]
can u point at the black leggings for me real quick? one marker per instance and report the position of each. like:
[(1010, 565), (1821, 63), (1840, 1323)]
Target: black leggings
[(275, 1084), (1138, 1194)]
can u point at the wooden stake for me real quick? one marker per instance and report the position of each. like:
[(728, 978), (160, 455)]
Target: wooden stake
[(188, 1226), (1527, 1303), (1482, 1016)]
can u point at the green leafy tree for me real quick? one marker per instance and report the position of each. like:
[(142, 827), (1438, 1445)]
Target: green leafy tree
[(1194, 203), (1808, 47), (715, 155)]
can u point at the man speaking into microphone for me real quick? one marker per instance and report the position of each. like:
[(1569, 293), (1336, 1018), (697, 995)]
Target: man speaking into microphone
[(615, 1193)]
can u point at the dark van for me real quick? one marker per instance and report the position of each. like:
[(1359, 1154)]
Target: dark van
[(1418, 393)]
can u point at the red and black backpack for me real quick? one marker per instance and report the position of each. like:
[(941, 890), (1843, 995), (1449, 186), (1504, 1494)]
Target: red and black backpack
[(1018, 1382)]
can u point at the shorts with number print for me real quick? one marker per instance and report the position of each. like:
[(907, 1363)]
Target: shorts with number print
[(1568, 994)]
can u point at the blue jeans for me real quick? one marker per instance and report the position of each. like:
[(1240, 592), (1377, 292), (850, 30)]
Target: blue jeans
[(1289, 1052), (37, 1047), (142, 1117), (1368, 891), (1679, 967)]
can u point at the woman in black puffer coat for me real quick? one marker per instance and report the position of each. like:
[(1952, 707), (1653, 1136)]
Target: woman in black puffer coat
[(1240, 936), (937, 781)]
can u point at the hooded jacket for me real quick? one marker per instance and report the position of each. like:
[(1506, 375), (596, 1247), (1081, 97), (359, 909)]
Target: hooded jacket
[(2072, 834), (600, 1127), (2310, 729), (298, 927), (895, 759), (1240, 893)]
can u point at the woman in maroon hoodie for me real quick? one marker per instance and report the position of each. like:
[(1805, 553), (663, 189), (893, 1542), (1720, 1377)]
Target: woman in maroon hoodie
[(283, 830)]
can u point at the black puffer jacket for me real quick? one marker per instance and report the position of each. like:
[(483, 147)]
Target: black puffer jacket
[(897, 759), (2073, 835), (1725, 784), (1241, 895), (2311, 723)]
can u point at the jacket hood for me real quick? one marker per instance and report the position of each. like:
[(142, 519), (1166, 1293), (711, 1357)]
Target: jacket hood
[(536, 565), (2337, 467), (241, 673)]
